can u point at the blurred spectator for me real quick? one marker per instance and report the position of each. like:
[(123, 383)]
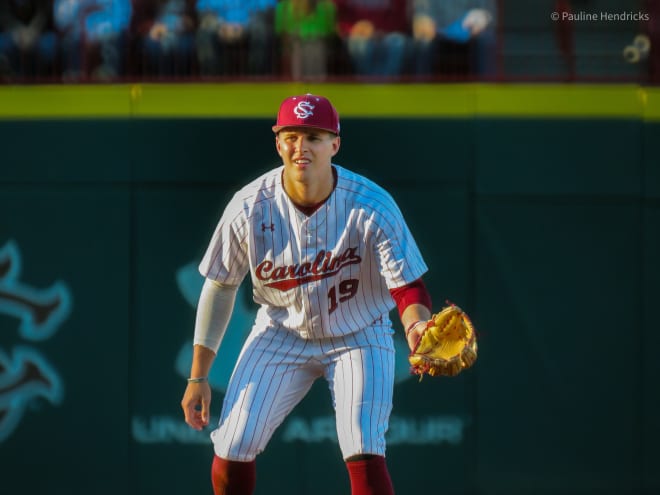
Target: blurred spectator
[(235, 37), (306, 29), (93, 36), (165, 36), (376, 33), (453, 37), (28, 43)]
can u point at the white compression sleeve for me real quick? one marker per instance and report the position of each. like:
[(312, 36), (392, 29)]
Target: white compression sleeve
[(216, 303)]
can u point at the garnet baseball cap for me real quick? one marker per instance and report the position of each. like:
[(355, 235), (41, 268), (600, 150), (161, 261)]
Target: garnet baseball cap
[(307, 111)]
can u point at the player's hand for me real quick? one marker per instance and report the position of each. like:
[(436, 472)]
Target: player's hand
[(195, 403), (415, 334)]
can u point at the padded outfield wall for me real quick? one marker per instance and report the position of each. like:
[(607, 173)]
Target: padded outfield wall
[(537, 208)]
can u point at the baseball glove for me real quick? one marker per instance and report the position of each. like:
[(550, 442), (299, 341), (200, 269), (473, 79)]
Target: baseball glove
[(447, 346)]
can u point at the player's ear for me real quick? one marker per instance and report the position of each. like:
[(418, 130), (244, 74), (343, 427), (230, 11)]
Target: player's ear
[(277, 144), (336, 143)]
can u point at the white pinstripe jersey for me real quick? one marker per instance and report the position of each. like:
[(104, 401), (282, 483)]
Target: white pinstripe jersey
[(323, 275)]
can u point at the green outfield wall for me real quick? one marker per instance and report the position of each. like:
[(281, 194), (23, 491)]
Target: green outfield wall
[(537, 208)]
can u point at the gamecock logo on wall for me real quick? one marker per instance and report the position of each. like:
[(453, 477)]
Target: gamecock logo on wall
[(25, 373)]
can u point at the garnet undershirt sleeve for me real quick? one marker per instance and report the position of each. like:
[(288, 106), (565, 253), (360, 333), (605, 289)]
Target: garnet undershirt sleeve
[(413, 293)]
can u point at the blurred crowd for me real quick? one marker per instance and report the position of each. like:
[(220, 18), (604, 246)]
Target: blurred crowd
[(79, 40)]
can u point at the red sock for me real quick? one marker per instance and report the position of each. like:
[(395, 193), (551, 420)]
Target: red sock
[(370, 477), (233, 477)]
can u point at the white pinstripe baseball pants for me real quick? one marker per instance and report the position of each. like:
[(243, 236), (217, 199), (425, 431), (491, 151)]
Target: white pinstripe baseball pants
[(276, 368)]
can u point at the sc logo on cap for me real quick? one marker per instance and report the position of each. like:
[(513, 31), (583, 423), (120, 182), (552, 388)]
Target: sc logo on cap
[(303, 110)]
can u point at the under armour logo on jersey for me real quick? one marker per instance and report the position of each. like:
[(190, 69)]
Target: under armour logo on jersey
[(270, 227), (303, 110)]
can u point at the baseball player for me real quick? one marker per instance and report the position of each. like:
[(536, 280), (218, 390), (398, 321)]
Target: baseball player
[(329, 255)]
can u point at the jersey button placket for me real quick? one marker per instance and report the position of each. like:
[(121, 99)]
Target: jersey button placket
[(314, 244), (311, 236), (307, 242)]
